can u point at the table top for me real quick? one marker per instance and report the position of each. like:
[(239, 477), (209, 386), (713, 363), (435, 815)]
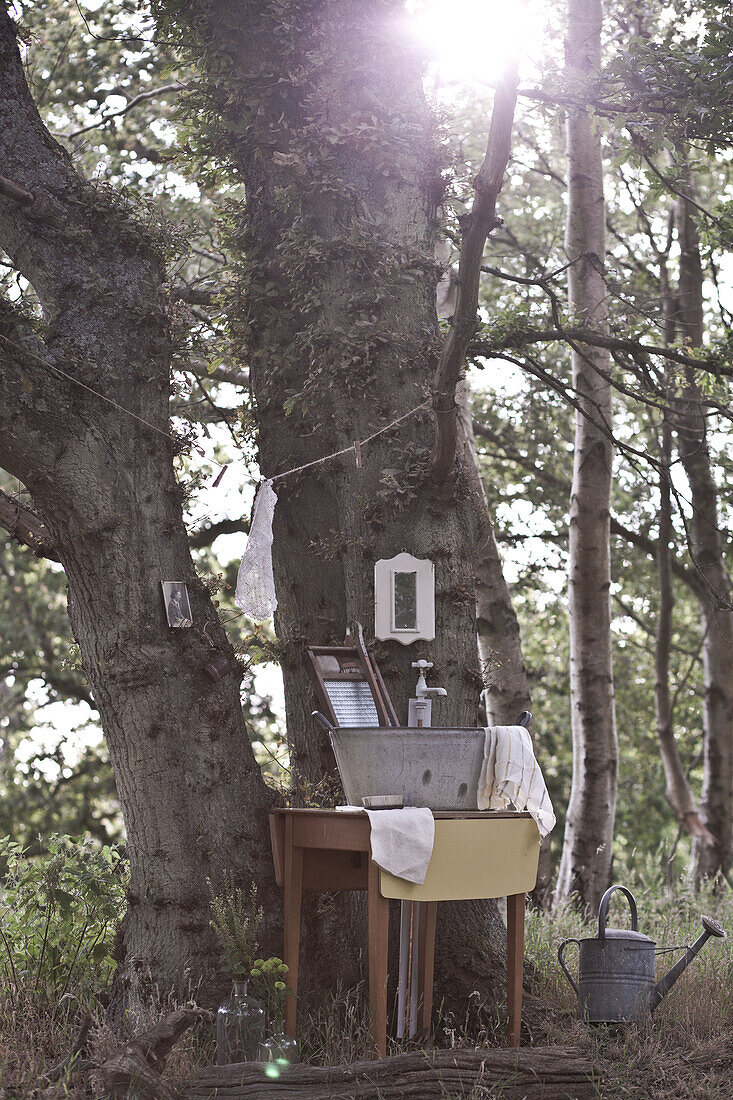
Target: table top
[(439, 815), (476, 853)]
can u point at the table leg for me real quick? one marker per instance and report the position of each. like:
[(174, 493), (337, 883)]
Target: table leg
[(378, 935), (426, 957), (293, 890), (515, 965)]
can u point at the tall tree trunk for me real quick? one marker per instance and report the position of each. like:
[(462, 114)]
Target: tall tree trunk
[(678, 791), (585, 869), (499, 640), (716, 802), (325, 119), (102, 481)]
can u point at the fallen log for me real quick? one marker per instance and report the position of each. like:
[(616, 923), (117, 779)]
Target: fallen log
[(134, 1070), (532, 1073)]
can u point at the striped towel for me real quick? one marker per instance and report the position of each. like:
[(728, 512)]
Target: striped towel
[(510, 773)]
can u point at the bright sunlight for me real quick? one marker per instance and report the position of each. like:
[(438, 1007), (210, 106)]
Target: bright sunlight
[(471, 40)]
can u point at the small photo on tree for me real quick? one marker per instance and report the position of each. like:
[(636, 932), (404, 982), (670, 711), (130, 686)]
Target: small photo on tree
[(177, 605)]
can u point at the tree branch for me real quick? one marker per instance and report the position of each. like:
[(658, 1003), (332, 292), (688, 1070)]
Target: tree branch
[(201, 369), (92, 267), (478, 225), (194, 296), (640, 145), (105, 118), (25, 527), (596, 339), (17, 194), (642, 542), (28, 403), (197, 540)]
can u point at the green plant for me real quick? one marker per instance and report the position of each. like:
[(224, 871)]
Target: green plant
[(270, 988), (57, 915), (236, 923)]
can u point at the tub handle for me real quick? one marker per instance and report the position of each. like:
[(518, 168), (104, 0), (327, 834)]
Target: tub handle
[(322, 720)]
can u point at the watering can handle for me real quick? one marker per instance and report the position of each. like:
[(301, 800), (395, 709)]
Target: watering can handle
[(567, 973), (603, 909)]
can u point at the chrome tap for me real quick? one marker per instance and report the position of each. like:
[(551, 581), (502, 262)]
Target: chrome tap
[(420, 708)]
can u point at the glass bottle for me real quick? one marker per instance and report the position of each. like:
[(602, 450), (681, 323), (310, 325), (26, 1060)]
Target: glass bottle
[(280, 1050), (240, 1026)]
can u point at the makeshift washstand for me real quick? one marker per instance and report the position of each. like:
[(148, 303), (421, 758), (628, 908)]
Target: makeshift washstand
[(456, 854)]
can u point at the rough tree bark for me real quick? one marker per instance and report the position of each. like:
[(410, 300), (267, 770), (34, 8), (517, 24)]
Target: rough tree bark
[(320, 111), (103, 485), (585, 868), (716, 803)]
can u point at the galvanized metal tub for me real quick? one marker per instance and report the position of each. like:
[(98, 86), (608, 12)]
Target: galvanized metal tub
[(437, 768)]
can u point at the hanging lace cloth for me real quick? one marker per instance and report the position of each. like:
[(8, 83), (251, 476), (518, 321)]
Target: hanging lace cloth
[(255, 593)]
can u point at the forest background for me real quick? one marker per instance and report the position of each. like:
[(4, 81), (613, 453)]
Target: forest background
[(55, 771), (121, 100)]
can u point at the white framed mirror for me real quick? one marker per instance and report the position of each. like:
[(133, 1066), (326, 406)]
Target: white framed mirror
[(404, 599)]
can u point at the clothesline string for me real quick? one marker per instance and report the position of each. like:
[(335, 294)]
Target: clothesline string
[(352, 446), (122, 408), (276, 477), (255, 592)]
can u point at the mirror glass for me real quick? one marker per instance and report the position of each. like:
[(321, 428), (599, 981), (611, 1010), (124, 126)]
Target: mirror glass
[(405, 601)]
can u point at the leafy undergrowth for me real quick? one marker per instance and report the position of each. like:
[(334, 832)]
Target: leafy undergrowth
[(58, 915), (684, 1050)]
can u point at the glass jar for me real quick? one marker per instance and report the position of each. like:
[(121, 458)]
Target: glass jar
[(240, 1026), (279, 1051)]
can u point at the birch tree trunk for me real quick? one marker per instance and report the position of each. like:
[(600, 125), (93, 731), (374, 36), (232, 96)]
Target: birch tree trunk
[(585, 869), (677, 786), (716, 802)]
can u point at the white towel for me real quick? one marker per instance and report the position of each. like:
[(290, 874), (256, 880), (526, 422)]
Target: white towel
[(402, 841), (510, 773)]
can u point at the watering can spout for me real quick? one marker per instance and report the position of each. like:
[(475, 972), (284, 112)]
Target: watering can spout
[(662, 988)]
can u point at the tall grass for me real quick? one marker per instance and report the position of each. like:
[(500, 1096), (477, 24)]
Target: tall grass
[(684, 1050)]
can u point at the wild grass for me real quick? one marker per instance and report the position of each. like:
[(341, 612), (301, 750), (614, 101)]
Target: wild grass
[(684, 1050), (32, 1040)]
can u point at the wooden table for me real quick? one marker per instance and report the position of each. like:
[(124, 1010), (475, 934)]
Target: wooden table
[(476, 855)]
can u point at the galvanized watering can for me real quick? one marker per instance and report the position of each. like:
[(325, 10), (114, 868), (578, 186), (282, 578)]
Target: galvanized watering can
[(616, 970)]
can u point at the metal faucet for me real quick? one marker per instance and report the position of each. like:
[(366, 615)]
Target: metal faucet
[(419, 714), (422, 690)]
